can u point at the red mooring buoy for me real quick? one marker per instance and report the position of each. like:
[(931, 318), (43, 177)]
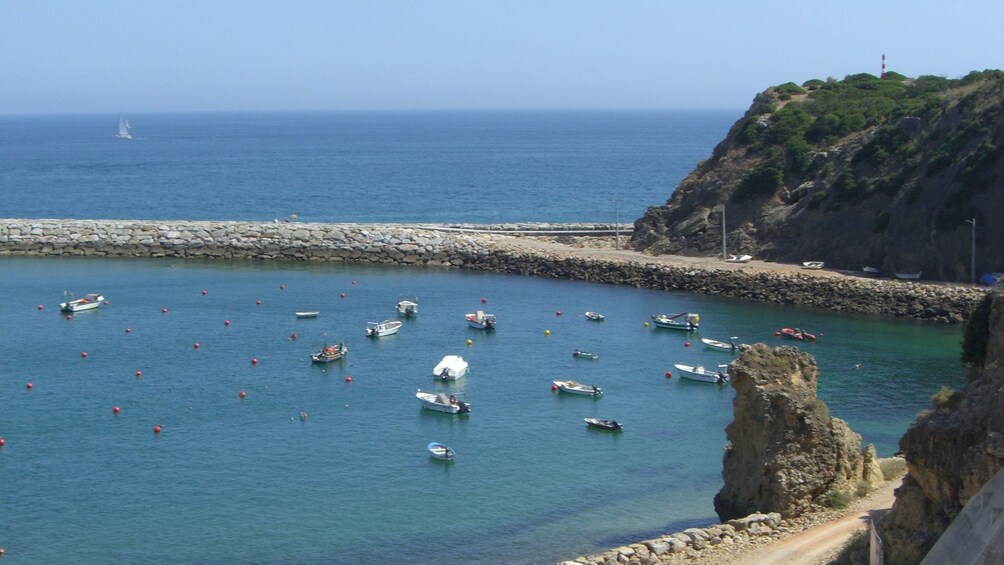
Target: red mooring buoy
[(196, 345), (83, 354), (128, 330), (156, 429), (163, 310), (669, 375), (342, 295), (2, 442), (554, 388), (116, 409), (243, 394), (40, 306), (203, 292), (69, 317), (139, 374), (686, 344), (226, 322), (348, 379), (282, 287), (558, 313), (484, 300), (29, 386), (257, 302), (254, 360)]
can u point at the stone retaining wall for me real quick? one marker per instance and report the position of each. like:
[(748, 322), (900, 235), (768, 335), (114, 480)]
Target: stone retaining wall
[(464, 247)]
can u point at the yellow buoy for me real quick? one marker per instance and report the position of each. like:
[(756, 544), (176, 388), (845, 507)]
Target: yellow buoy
[(646, 324), (469, 342), (547, 332)]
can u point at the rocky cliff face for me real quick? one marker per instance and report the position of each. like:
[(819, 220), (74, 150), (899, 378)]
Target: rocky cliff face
[(785, 452), (955, 448), (859, 172)]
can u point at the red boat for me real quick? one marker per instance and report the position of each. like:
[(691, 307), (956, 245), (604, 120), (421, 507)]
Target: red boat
[(797, 334)]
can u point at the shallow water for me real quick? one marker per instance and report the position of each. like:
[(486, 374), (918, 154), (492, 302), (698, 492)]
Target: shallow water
[(246, 481)]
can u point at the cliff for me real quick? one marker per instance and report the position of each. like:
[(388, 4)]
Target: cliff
[(857, 172), (786, 454), (954, 448)]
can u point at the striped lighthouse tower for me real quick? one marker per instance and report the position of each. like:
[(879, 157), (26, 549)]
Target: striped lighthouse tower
[(883, 67)]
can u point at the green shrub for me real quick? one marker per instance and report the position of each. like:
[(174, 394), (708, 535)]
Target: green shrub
[(764, 180), (862, 488), (838, 499), (817, 198), (821, 410), (938, 162), (892, 468)]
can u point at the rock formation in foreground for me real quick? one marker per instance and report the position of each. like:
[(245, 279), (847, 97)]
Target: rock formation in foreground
[(785, 453), (952, 450)]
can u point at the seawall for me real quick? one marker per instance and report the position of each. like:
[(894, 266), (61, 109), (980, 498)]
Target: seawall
[(499, 248)]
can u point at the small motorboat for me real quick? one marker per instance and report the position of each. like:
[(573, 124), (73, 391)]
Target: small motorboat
[(89, 302), (579, 354), (602, 424), (573, 387), (907, 276), (451, 368), (440, 451), (330, 353), (871, 271), (380, 329), (595, 316), (814, 265), (739, 259), (731, 345), (440, 402), (407, 308), (797, 334), (688, 323), (307, 314), (699, 373), (481, 321)]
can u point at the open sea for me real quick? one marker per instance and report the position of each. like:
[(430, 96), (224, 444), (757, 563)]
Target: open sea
[(246, 480)]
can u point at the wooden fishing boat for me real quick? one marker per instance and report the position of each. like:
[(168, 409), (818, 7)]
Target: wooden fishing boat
[(330, 353)]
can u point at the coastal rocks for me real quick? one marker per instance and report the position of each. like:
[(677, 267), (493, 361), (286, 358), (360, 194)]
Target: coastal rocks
[(785, 452), (954, 448)]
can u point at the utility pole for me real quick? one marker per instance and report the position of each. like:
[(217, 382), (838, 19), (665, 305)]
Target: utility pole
[(972, 255), (724, 251), (617, 228)]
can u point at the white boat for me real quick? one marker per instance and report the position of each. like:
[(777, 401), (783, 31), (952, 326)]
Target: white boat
[(451, 368), (407, 308), (481, 321), (604, 424), (442, 403), (686, 321), (440, 451), (307, 314), (89, 302), (595, 316), (330, 353), (731, 345), (739, 259), (380, 329), (579, 354), (815, 265), (907, 276), (578, 388), (699, 373), (871, 271), (123, 132)]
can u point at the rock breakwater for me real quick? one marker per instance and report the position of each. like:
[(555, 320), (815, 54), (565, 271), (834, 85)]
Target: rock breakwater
[(501, 249)]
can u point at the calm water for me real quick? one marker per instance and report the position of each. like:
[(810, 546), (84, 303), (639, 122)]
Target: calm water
[(354, 166), (246, 481)]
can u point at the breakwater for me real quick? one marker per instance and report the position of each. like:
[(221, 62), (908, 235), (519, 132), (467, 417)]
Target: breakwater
[(501, 249)]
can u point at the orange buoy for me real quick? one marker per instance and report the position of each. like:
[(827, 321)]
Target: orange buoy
[(257, 302), (156, 429), (348, 379), (242, 394), (554, 388), (342, 295), (669, 375), (83, 354), (116, 409), (686, 344), (254, 360), (139, 374), (196, 345), (226, 322), (163, 310), (128, 330), (29, 386)]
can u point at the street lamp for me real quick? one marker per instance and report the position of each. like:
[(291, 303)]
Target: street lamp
[(721, 208), (972, 266)]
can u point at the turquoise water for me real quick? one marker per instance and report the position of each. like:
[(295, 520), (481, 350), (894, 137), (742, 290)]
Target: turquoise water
[(246, 481)]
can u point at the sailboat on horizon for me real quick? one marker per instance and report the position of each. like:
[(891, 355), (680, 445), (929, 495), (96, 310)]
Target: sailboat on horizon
[(123, 132)]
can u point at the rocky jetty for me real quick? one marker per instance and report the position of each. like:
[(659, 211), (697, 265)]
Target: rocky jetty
[(955, 447), (786, 454), (500, 249)]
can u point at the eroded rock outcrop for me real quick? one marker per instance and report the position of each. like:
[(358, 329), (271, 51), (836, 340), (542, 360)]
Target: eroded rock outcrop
[(955, 448), (785, 452)]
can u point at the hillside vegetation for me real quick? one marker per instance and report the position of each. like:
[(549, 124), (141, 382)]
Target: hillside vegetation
[(857, 172)]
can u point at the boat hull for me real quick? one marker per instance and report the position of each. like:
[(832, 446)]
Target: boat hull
[(719, 345), (330, 354), (435, 402), (602, 424), (90, 302), (700, 374), (440, 451), (595, 316), (307, 314), (573, 387), (383, 329), (451, 368)]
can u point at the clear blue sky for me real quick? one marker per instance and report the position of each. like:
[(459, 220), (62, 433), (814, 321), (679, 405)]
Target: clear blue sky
[(135, 56)]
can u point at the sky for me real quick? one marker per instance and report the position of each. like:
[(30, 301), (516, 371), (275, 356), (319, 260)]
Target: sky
[(269, 55)]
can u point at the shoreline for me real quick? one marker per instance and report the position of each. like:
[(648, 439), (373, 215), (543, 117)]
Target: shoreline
[(547, 250)]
